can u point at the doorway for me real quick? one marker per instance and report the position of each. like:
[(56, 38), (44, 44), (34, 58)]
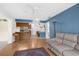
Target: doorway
[(23, 31)]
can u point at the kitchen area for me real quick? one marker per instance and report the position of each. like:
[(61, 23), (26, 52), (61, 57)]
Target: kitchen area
[(28, 30), (23, 31)]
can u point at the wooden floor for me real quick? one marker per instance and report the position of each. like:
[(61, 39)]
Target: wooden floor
[(10, 49)]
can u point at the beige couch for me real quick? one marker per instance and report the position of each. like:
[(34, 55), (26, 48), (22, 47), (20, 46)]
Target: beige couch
[(65, 44)]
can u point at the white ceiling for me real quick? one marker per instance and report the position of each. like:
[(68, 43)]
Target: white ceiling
[(33, 10)]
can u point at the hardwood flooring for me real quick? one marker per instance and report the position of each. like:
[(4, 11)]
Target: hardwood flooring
[(10, 49)]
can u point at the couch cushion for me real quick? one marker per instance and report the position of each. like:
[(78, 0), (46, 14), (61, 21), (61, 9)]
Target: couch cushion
[(52, 44), (51, 41), (59, 35), (61, 48), (69, 43), (77, 46), (56, 40), (59, 38), (71, 37), (72, 52), (59, 41)]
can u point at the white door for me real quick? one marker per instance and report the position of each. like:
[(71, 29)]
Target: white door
[(5, 31)]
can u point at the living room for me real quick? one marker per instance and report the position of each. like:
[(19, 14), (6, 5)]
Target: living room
[(35, 29)]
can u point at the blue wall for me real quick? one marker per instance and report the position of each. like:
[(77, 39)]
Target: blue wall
[(67, 21)]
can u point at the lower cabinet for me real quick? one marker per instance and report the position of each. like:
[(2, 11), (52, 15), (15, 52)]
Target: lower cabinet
[(22, 36)]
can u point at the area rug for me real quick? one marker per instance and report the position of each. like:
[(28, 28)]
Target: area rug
[(32, 52)]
